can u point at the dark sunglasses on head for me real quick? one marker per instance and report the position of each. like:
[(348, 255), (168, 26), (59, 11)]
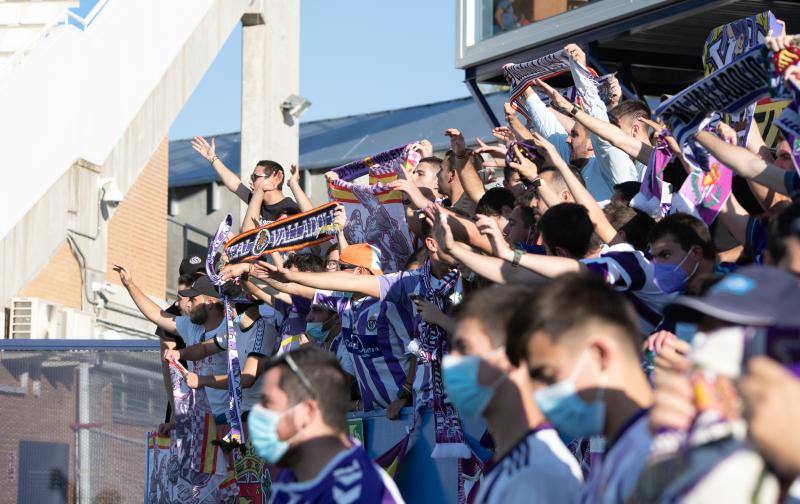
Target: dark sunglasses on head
[(300, 375)]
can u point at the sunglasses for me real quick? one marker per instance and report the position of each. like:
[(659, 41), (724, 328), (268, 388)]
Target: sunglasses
[(255, 176)]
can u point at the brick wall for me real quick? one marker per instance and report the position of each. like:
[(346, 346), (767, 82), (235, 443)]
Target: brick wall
[(137, 238), (59, 281), (137, 232)]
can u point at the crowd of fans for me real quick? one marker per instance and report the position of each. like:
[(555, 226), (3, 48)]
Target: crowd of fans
[(601, 346)]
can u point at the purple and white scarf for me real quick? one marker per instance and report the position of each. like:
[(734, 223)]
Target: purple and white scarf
[(727, 43), (655, 195), (520, 76), (789, 123), (432, 341)]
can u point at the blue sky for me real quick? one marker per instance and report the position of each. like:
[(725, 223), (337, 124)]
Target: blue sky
[(356, 56)]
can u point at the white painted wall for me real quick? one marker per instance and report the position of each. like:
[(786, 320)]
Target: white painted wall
[(78, 92)]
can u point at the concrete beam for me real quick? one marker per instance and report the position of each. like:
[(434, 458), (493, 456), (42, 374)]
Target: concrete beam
[(270, 73)]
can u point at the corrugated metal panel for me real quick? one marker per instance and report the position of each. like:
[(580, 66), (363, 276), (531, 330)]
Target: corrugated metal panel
[(332, 142)]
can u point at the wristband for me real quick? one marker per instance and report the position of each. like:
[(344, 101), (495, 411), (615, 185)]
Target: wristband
[(575, 110), (518, 253), (213, 158)]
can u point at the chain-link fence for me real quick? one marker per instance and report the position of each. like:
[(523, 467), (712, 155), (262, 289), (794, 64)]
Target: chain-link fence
[(75, 416)]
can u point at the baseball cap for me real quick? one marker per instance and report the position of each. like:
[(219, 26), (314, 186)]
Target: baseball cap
[(201, 287), (364, 255), (191, 265), (752, 295)]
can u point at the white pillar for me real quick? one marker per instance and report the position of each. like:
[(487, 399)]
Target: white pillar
[(270, 74)]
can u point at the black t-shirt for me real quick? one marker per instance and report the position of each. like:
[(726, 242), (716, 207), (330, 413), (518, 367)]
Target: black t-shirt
[(271, 212)]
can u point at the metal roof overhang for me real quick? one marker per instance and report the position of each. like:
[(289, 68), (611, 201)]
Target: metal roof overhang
[(654, 51)]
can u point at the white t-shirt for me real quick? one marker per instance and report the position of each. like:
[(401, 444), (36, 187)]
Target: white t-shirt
[(216, 364), (258, 340), (539, 469)]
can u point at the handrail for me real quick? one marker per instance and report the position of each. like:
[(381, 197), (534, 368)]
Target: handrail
[(61, 18), (65, 345), (85, 22)]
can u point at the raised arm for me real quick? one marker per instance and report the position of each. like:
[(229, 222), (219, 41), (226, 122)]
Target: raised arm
[(755, 144), (582, 196), (465, 166), (745, 163), (229, 179), (331, 280), (545, 122), (299, 194), (147, 306)]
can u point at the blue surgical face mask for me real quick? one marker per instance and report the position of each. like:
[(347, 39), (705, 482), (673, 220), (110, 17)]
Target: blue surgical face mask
[(571, 416), (315, 331), (671, 277), (262, 425), (460, 375)]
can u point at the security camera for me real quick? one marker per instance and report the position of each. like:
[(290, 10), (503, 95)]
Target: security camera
[(109, 192), (295, 105)]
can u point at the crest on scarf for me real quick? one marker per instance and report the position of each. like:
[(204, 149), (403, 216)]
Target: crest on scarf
[(375, 213)]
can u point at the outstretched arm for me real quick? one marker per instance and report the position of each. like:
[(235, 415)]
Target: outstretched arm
[(229, 179), (147, 306), (744, 162), (332, 280), (465, 166)]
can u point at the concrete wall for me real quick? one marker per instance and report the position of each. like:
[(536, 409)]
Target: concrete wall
[(193, 206), (120, 84)]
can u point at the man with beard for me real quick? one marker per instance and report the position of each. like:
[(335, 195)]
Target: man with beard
[(204, 329)]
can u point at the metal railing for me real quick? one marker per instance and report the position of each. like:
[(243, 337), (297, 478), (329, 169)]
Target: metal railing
[(61, 18)]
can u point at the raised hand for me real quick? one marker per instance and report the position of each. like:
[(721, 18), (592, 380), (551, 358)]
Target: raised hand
[(488, 227), (441, 228), (339, 216), (331, 175), (264, 270), (193, 381), (615, 93), (172, 355), (124, 275), (556, 99), (208, 151), (655, 342), (509, 112), (576, 53), (294, 177), (726, 132), (526, 168), (231, 271), (504, 134), (457, 142), (271, 183), (412, 191), (780, 42)]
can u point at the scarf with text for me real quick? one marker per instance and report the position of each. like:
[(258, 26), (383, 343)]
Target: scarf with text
[(728, 42), (292, 233)]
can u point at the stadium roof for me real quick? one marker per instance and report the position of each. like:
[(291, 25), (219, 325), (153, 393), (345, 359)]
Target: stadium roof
[(329, 143)]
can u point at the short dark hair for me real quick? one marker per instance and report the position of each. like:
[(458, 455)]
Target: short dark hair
[(330, 386), (780, 227), (567, 226), (634, 223), (569, 302), (628, 190), (688, 231), (434, 160), (635, 108), (493, 307), (270, 168), (493, 201), (305, 262)]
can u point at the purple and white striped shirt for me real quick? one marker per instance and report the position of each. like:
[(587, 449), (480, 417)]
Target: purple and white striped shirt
[(629, 271), (376, 334)]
